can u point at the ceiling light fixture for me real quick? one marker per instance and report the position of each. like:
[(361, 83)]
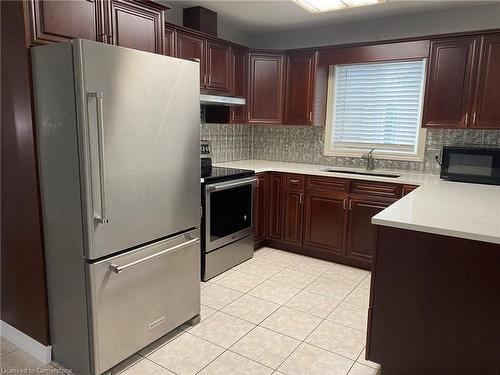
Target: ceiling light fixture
[(319, 6)]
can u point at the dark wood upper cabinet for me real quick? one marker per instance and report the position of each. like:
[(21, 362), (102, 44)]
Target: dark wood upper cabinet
[(361, 233), (169, 42), (58, 21), (261, 207), (218, 67), (487, 103), (214, 56), (191, 46), (265, 98), (299, 97), (450, 81), (325, 217), (137, 25), (238, 114), (275, 206)]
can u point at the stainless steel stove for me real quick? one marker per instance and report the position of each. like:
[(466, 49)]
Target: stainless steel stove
[(227, 219)]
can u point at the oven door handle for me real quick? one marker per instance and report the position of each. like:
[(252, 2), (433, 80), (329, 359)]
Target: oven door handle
[(224, 186)]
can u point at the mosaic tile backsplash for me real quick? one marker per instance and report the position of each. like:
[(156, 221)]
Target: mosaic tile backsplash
[(304, 144)]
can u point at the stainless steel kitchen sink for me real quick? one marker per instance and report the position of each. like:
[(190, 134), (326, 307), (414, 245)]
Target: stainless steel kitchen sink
[(363, 173)]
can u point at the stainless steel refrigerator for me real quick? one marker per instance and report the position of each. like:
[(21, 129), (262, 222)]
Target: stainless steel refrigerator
[(118, 148)]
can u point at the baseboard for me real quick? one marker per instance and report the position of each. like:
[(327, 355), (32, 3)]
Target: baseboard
[(23, 341)]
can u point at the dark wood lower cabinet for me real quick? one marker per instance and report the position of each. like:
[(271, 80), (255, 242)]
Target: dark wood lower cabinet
[(325, 218), (292, 216), (261, 207), (434, 304), (407, 189), (361, 233), (275, 206), (322, 217)]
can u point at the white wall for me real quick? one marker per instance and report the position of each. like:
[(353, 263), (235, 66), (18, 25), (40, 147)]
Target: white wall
[(421, 24)]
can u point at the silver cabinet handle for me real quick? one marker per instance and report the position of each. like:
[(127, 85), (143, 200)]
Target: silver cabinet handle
[(294, 180), (301, 198), (344, 203), (117, 269), (98, 95)]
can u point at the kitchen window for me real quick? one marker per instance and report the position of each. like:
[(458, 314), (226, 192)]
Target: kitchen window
[(376, 105)]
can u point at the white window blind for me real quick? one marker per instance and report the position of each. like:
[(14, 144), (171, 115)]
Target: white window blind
[(378, 105)]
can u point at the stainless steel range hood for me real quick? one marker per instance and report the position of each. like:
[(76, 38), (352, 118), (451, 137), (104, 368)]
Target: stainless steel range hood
[(222, 100)]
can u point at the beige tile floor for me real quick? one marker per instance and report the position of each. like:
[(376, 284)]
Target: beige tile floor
[(278, 313)]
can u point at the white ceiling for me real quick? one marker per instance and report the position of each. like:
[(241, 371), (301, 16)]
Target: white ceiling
[(264, 16)]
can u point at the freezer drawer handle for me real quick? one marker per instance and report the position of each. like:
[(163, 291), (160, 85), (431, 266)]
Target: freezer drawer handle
[(117, 269), (98, 95)]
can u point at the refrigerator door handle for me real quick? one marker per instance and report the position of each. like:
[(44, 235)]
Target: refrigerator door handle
[(98, 95), (117, 269)]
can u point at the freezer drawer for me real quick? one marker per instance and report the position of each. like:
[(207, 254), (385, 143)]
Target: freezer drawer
[(139, 296)]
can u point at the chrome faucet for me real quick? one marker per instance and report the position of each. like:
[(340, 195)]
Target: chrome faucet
[(370, 161)]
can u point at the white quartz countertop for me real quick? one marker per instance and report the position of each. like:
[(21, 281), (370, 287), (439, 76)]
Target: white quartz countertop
[(470, 211), (320, 170)]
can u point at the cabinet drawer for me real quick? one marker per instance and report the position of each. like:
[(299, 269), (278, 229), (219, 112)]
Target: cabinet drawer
[(294, 181), (407, 189), (379, 189), (326, 183)]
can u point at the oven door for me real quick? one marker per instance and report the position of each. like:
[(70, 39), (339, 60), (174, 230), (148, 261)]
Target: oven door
[(228, 212)]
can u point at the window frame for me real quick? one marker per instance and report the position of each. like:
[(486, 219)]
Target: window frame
[(353, 151)]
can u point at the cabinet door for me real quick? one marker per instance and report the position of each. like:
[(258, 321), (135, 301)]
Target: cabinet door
[(299, 89), (261, 207), (292, 216), (218, 64), (361, 235), (58, 21), (325, 221), (487, 106), (238, 83), (265, 101), (190, 46), (275, 205), (135, 25), (169, 42), (448, 96)]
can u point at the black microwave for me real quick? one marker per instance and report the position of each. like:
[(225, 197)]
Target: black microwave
[(467, 164)]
